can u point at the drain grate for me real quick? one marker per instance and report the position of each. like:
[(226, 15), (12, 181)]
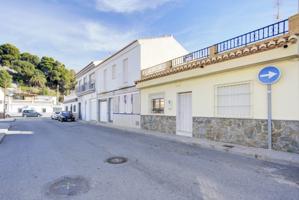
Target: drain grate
[(68, 186), (116, 160)]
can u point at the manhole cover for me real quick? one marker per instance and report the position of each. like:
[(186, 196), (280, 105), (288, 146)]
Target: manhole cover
[(68, 186), (228, 146), (116, 160)]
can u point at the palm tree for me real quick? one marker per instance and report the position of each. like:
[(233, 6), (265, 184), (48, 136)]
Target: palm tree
[(5, 82), (38, 79)]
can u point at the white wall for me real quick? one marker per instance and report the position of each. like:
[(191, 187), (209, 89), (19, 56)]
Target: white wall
[(86, 108), (158, 50), (132, 53), (1, 100)]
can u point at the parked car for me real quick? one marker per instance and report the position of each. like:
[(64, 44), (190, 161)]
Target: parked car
[(66, 116), (55, 115), (30, 113)]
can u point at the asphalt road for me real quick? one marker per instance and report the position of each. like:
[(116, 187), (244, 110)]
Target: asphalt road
[(31, 166)]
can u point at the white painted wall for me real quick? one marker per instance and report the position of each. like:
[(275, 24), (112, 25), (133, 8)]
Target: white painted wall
[(132, 53), (158, 50), (202, 82)]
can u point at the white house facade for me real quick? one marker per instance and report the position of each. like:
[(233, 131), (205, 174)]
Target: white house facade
[(86, 102), (118, 98), (70, 103)]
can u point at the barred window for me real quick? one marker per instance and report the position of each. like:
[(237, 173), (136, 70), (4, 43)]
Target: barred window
[(158, 105), (233, 100)]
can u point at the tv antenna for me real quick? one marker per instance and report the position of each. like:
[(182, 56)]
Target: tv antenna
[(277, 6)]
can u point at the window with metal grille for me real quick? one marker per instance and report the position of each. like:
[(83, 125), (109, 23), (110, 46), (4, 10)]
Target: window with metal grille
[(158, 105), (233, 100)]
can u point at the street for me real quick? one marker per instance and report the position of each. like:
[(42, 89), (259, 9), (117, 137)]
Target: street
[(33, 164)]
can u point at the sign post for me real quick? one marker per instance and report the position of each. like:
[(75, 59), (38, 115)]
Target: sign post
[(268, 76)]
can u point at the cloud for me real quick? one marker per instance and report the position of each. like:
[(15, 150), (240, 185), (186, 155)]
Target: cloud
[(72, 40), (128, 6), (100, 37)]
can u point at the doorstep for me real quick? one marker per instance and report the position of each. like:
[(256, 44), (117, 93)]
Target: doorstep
[(279, 157)]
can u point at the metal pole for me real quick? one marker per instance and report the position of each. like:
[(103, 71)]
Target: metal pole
[(269, 95)]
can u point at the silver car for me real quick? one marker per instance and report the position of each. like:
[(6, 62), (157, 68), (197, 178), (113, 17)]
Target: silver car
[(55, 115)]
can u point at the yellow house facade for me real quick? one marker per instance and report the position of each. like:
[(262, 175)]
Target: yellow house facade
[(215, 93)]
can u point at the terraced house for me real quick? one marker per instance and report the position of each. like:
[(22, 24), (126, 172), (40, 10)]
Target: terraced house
[(118, 98), (214, 93), (106, 89)]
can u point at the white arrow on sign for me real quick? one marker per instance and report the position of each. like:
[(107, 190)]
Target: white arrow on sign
[(269, 75)]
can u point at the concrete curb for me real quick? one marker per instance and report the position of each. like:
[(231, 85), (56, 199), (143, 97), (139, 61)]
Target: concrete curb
[(2, 135), (8, 120), (4, 127), (279, 157)]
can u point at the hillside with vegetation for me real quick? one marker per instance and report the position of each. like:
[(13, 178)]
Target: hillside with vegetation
[(34, 74)]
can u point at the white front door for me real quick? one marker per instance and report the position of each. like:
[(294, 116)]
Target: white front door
[(111, 109), (103, 111), (184, 114), (93, 109)]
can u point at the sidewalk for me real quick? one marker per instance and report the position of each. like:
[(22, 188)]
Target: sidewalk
[(257, 153)]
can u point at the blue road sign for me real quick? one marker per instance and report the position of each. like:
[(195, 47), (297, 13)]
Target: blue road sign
[(269, 75)]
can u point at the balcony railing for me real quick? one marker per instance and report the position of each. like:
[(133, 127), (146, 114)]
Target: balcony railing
[(86, 87), (266, 32)]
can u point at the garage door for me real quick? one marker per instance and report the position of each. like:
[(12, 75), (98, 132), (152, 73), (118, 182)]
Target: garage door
[(103, 111), (93, 109)]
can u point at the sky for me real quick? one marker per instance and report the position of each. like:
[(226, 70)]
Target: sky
[(77, 32)]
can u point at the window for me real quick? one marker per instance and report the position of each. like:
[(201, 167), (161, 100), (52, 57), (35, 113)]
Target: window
[(125, 99), (116, 101), (44, 110), (113, 72), (19, 110), (233, 100), (136, 103), (91, 80), (66, 108), (74, 108), (158, 105), (105, 79), (125, 70)]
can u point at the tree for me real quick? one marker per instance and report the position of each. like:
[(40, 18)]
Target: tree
[(38, 79), (33, 59), (5, 82), (46, 65), (25, 70), (8, 53)]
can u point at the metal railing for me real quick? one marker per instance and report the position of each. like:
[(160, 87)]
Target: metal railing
[(269, 31), (276, 29), (86, 87), (199, 54)]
